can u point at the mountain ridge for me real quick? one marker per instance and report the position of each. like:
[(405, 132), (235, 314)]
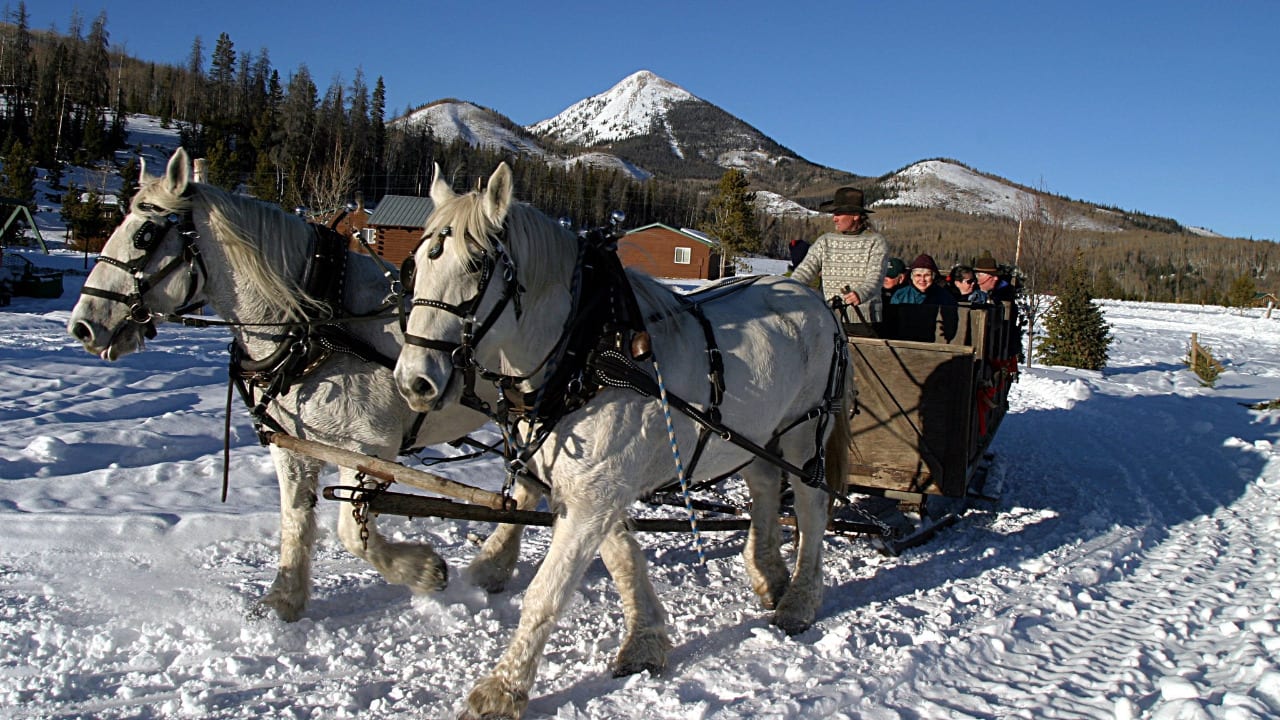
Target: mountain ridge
[(648, 126)]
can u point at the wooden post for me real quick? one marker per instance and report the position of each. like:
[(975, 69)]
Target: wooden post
[(1195, 350), (200, 170), (1017, 252)]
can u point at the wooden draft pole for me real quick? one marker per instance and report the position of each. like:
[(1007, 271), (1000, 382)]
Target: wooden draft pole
[(387, 471), (484, 505)]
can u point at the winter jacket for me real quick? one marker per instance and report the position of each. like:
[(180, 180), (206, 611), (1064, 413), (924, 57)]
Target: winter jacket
[(935, 295), (856, 260)]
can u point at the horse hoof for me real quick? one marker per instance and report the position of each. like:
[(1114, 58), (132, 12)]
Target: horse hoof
[(285, 610), (770, 594), (434, 577), (423, 575), (620, 671), (493, 699), (641, 651), (790, 626), (489, 576)]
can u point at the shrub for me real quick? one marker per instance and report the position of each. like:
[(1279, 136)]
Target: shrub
[(1076, 335), (1202, 362)]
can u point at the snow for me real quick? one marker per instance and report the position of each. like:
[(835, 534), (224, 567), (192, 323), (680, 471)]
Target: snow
[(625, 110), (455, 119), (1127, 568), (950, 186), (775, 205), (450, 120)]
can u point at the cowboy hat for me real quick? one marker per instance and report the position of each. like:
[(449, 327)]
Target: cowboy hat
[(847, 201), (985, 263)]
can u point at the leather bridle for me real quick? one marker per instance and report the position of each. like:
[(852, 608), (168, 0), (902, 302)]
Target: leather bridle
[(463, 352), (148, 238)]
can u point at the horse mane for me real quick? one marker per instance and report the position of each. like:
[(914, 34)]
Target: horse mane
[(240, 226), (541, 248)]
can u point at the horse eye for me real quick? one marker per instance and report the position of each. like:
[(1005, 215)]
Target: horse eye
[(436, 249)]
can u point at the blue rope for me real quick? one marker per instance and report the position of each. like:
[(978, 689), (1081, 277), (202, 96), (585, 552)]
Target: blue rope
[(675, 454)]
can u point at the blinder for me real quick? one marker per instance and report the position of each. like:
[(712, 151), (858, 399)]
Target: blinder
[(149, 234)]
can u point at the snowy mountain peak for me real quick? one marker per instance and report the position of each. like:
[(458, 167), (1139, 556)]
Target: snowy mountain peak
[(477, 126), (949, 185), (628, 109)]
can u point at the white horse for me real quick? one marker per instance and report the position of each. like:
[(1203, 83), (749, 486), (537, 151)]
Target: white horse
[(498, 296), (185, 243)]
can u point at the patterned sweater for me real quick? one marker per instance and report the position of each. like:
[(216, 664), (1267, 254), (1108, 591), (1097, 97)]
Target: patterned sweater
[(854, 260)]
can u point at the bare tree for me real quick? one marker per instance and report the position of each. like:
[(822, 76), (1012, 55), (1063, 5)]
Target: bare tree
[(1043, 251), (333, 183)]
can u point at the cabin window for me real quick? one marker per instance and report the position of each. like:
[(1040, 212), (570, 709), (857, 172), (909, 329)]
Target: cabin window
[(683, 255), (370, 235)]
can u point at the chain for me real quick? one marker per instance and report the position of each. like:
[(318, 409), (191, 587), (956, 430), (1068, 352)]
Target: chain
[(360, 510)]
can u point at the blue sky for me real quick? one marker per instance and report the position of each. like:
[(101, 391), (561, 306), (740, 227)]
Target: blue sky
[(1166, 107)]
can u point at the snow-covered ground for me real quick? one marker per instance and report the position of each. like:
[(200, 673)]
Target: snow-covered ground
[(1128, 568)]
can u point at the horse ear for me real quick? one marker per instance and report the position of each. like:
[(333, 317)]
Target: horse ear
[(178, 174), (440, 190), (497, 198)]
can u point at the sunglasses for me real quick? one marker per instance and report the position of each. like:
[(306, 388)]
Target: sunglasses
[(965, 281)]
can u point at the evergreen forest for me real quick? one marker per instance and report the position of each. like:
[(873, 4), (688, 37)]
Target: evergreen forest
[(279, 136)]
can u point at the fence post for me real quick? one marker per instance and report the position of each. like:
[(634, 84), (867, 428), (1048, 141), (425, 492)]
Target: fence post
[(1195, 350)]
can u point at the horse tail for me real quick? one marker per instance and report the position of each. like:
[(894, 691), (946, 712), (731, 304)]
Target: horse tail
[(837, 448)]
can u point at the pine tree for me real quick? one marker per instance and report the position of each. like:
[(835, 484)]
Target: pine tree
[(1241, 292), (19, 176), (130, 177), (1076, 333), (18, 184), (223, 166), (732, 217)]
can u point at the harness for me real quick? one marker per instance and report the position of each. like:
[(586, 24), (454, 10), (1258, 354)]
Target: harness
[(305, 346), (603, 344), (301, 348)]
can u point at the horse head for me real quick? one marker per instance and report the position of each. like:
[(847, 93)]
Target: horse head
[(148, 268), (483, 263)]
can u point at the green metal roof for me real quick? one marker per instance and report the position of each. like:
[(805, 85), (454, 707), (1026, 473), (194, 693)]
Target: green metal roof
[(401, 211)]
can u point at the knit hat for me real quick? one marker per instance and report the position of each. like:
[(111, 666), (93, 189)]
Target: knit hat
[(895, 267), (924, 262)]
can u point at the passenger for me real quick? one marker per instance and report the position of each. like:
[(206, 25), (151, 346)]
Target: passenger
[(798, 249), (964, 286), (923, 290), (895, 276), (989, 280), (850, 260)]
